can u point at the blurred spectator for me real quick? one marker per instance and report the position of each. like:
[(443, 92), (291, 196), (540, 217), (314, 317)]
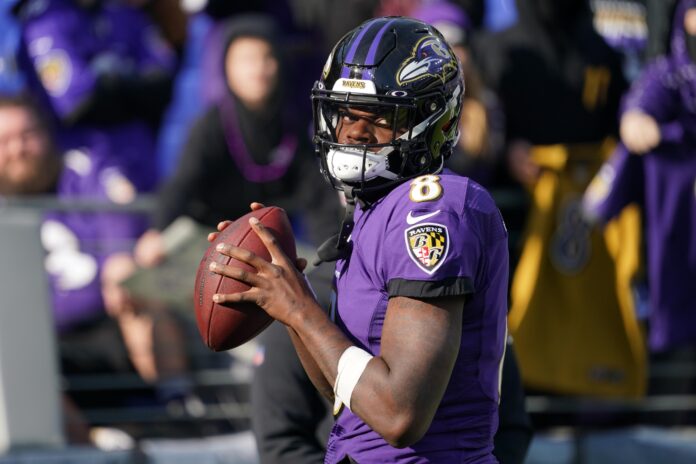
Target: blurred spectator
[(89, 341), (104, 74), (655, 167), (560, 84), (248, 146), (480, 141), (11, 79)]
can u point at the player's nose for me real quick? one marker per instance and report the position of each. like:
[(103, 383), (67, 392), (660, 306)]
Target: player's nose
[(361, 131)]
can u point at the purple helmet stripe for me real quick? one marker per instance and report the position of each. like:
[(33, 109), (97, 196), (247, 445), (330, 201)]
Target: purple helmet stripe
[(370, 59), (353, 48)]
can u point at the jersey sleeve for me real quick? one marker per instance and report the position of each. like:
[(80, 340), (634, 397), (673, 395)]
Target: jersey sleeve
[(618, 183), (653, 93), (431, 249)]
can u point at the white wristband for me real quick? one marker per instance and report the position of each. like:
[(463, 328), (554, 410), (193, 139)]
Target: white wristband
[(351, 365)]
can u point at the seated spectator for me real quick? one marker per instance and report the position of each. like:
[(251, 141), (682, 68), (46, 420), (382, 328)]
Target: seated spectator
[(89, 340), (104, 75)]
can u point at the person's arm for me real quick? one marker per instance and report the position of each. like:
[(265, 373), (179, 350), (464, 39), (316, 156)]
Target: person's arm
[(653, 93), (399, 391)]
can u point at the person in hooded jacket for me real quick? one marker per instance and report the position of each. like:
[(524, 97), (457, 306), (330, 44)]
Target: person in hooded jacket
[(249, 144), (655, 167)]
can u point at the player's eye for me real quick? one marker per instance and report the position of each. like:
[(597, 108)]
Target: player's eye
[(383, 122), (346, 116)]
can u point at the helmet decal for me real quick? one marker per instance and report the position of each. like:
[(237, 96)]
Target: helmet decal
[(327, 65), (355, 86), (359, 52), (428, 59)]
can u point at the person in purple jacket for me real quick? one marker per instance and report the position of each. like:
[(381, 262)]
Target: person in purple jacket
[(104, 75), (655, 167), (411, 350)]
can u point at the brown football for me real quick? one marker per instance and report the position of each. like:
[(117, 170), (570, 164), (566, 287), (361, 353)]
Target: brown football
[(222, 327)]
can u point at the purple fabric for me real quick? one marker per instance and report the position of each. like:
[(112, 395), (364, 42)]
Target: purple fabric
[(665, 184), (115, 39), (88, 237), (212, 68), (443, 12), (667, 88), (476, 255), (101, 161)]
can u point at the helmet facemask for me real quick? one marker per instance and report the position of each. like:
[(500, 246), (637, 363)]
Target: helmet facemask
[(422, 129)]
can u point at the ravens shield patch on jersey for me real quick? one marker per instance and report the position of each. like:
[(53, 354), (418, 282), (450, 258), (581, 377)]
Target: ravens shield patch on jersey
[(427, 244)]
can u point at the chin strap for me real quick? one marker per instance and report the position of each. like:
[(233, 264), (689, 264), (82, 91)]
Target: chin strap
[(336, 247)]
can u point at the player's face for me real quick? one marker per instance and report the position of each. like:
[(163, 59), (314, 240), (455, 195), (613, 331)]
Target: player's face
[(357, 127), (26, 156), (252, 70)]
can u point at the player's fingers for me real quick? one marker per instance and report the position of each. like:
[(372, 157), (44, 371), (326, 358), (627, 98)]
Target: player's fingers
[(271, 242), (213, 236), (250, 296), (235, 273), (256, 205), (223, 225), (243, 255)]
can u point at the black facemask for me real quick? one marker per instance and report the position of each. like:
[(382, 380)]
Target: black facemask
[(691, 46)]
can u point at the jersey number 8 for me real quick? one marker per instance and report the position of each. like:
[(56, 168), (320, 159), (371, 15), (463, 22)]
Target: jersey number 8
[(425, 188)]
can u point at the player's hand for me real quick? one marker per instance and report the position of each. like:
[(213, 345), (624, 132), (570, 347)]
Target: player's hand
[(639, 132), (278, 287), (300, 264)]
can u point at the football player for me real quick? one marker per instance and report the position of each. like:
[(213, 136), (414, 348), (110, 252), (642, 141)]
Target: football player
[(411, 349)]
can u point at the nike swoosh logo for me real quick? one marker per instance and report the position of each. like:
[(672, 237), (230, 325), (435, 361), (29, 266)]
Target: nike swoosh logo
[(411, 219)]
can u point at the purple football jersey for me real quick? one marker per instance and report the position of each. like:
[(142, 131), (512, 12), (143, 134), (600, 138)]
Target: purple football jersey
[(435, 236)]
